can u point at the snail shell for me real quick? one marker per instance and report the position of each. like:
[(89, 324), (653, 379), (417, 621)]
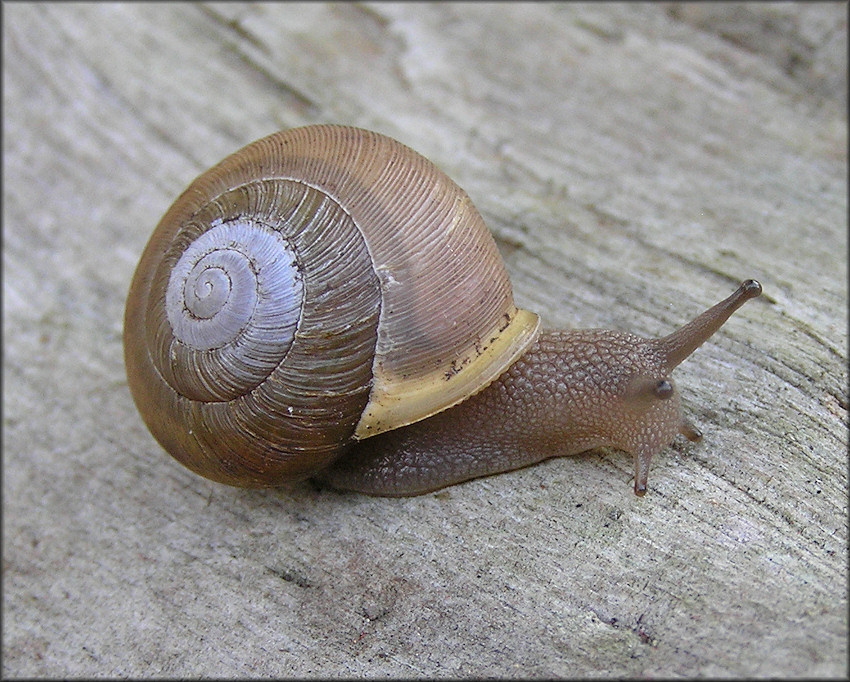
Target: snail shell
[(320, 285)]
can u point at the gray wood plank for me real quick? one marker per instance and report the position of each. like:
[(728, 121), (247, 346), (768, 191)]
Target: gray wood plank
[(634, 162)]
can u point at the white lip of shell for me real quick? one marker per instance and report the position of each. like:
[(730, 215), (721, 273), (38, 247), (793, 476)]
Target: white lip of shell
[(229, 275)]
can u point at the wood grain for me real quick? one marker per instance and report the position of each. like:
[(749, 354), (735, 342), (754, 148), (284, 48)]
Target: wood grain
[(635, 162)]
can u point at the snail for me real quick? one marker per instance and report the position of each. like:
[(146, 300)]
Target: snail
[(327, 303)]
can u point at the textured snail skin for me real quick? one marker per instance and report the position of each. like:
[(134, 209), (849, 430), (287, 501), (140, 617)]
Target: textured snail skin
[(571, 392)]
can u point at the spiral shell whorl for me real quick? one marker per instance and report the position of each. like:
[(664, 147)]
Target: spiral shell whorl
[(321, 284), (232, 301), (249, 292)]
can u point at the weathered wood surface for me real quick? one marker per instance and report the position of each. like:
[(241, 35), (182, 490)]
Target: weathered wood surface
[(634, 161)]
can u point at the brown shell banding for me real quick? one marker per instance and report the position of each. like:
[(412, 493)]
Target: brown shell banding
[(426, 307), (445, 291), (257, 409)]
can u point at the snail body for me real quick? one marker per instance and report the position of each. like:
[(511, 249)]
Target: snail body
[(327, 303)]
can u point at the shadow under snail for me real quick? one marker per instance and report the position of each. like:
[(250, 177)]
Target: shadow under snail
[(327, 303)]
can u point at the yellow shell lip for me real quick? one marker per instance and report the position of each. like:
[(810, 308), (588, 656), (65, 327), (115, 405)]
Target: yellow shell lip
[(396, 402)]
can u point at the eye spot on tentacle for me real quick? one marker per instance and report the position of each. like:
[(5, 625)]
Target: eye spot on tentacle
[(663, 389)]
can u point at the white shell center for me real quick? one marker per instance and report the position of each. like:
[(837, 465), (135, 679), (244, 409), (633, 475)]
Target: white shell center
[(234, 274)]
